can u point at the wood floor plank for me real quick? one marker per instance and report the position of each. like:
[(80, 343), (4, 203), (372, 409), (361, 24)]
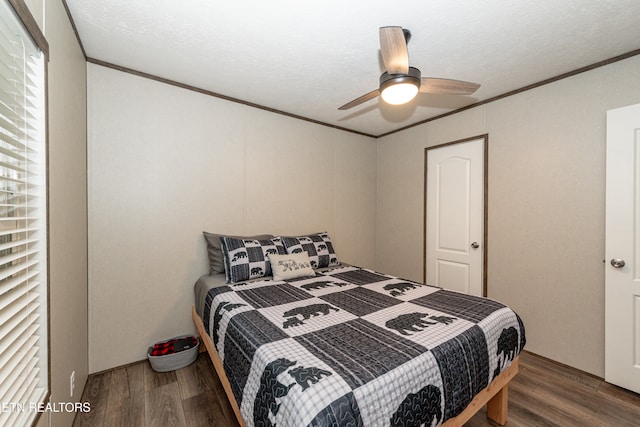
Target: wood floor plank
[(618, 407), (619, 394), (227, 409), (126, 412), (543, 394), (135, 375), (153, 379), (548, 394), (119, 386), (203, 410), (557, 369), (524, 416), (195, 379), (527, 408), (163, 406), (96, 393)]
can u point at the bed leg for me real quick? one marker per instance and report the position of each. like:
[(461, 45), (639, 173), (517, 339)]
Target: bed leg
[(498, 407)]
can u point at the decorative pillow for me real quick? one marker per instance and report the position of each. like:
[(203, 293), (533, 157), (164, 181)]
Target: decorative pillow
[(247, 258), (318, 246), (290, 266), (214, 249)]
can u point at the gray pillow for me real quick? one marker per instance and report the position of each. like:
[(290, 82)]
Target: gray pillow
[(214, 249)]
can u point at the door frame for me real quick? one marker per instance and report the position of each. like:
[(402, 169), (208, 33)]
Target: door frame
[(620, 281), (485, 189)]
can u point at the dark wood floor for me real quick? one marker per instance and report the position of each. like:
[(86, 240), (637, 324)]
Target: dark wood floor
[(542, 394)]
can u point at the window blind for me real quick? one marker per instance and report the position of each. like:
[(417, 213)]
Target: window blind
[(23, 217)]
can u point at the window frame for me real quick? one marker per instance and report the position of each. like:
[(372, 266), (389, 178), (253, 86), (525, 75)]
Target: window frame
[(33, 30)]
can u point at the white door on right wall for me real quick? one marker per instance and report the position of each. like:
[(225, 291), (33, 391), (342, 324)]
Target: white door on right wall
[(622, 268), (454, 214)]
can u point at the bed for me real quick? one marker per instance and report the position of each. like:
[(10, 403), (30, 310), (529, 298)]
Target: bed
[(349, 346)]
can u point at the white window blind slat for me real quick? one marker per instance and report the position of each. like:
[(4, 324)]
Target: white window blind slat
[(11, 151), (9, 110), (9, 208), (22, 386), (19, 383), (15, 82), (8, 59), (16, 365), (7, 82), (5, 175), (24, 418), (13, 302), (11, 167), (13, 137), (6, 26), (16, 188), (16, 218), (6, 68), (14, 86), (25, 109), (26, 383), (10, 123), (6, 53), (26, 327), (5, 418), (18, 231), (22, 317), (28, 106), (14, 244), (16, 268), (18, 50), (19, 375)]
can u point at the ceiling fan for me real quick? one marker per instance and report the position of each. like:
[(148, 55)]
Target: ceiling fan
[(400, 83)]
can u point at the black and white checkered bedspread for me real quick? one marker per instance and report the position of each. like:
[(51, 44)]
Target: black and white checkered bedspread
[(352, 347)]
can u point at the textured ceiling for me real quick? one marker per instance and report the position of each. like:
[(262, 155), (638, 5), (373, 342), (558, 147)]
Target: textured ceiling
[(308, 58)]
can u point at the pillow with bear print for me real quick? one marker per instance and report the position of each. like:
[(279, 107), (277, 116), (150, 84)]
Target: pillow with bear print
[(248, 258), (214, 249), (291, 266), (317, 246)]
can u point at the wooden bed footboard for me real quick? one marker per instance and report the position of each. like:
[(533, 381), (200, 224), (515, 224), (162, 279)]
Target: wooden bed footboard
[(495, 395)]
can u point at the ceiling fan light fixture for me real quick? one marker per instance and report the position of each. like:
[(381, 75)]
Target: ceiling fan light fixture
[(399, 93), (397, 89)]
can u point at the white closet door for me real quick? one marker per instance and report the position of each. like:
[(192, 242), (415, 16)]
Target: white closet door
[(622, 270), (455, 216)]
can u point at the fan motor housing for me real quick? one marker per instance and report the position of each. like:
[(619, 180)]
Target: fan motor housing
[(413, 76)]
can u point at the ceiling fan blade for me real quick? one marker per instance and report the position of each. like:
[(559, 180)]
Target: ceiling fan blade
[(393, 47), (447, 86), (362, 99)]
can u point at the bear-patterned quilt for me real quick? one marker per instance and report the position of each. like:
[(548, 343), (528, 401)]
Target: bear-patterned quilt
[(354, 347)]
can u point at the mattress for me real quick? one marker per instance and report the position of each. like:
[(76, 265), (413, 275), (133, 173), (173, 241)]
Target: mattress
[(355, 347)]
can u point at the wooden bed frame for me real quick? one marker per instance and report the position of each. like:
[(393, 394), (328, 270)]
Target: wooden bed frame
[(495, 395)]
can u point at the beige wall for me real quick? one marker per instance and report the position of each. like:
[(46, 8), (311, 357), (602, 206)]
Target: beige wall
[(230, 168), (67, 207), (546, 204), (166, 163)]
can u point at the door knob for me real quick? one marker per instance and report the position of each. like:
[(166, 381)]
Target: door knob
[(475, 245), (617, 262)]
